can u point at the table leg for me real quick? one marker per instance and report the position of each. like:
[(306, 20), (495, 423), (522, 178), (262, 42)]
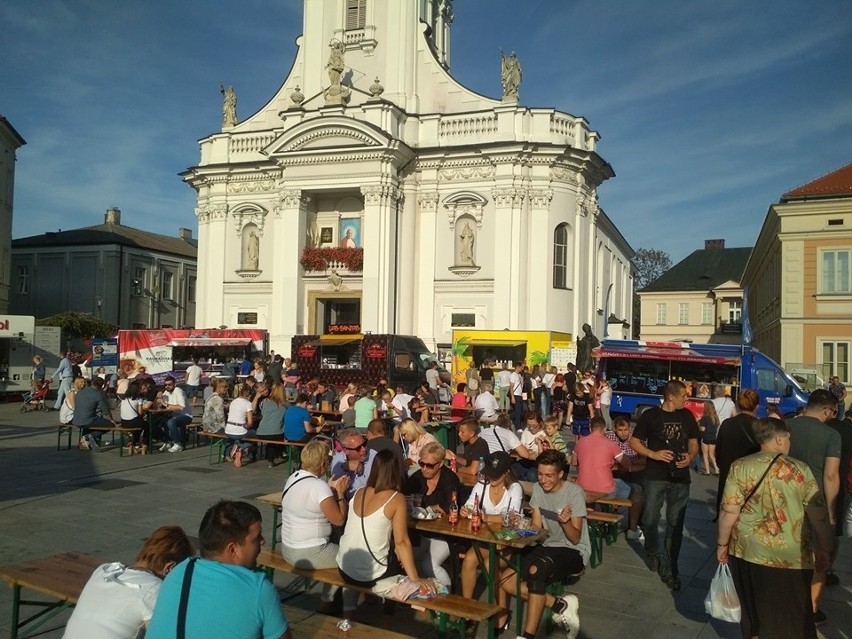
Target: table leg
[(16, 609), (276, 513)]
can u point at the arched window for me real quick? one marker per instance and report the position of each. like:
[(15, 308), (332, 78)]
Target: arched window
[(560, 256)]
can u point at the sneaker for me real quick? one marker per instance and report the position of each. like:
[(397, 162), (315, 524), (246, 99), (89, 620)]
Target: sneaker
[(165, 446), (635, 535), (93, 443), (175, 448), (569, 618)]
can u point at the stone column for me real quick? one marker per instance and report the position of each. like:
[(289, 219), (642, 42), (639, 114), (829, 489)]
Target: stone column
[(379, 238), (507, 257), (539, 245), (287, 310), (426, 242), (406, 258), (212, 250)]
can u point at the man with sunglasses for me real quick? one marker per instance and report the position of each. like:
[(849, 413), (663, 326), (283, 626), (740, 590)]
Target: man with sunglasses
[(435, 483), (354, 461)]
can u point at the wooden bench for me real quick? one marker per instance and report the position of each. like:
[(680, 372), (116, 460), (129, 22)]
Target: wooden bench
[(60, 577), (319, 626), (68, 429), (218, 441), (449, 611), (601, 527)]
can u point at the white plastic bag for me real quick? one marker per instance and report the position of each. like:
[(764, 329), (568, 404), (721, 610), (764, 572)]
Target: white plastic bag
[(722, 601)]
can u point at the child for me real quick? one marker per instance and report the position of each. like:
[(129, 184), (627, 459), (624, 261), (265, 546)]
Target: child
[(580, 411), (554, 437), (348, 416), (558, 404)]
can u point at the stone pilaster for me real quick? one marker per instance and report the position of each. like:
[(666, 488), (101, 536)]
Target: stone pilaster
[(378, 300)]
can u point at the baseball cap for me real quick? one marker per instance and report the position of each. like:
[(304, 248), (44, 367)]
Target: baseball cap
[(496, 464)]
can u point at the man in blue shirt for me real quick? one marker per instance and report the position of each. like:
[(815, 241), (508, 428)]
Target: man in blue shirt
[(355, 460), (227, 599)]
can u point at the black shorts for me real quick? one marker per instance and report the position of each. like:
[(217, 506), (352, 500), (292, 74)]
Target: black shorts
[(553, 564)]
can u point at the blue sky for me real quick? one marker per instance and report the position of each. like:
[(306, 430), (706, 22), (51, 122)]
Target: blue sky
[(708, 111)]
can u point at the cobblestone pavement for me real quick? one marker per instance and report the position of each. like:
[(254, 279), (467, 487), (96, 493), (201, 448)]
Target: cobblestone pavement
[(56, 501)]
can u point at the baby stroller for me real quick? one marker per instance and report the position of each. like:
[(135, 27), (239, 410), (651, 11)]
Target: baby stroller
[(35, 401)]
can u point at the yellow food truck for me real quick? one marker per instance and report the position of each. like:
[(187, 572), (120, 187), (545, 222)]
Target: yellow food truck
[(532, 347)]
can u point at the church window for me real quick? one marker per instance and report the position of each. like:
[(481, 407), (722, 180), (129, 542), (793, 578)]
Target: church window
[(356, 14), (168, 285), (560, 256)]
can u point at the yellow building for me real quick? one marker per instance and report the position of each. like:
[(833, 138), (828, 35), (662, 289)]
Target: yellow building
[(699, 299), (800, 279)]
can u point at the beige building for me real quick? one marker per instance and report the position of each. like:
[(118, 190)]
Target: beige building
[(799, 278), (373, 192), (699, 299), (10, 140)]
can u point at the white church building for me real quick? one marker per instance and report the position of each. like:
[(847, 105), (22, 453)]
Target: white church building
[(376, 193)]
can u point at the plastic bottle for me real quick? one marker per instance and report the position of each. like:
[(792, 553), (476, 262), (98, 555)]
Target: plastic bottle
[(453, 517), (476, 516), (454, 465)]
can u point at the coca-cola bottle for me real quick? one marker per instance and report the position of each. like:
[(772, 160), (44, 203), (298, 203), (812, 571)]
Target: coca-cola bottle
[(476, 515), (453, 517)]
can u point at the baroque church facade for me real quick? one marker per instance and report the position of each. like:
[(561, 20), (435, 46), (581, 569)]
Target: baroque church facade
[(375, 193)]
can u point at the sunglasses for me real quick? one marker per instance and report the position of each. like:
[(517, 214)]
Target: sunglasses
[(362, 446), (424, 464)]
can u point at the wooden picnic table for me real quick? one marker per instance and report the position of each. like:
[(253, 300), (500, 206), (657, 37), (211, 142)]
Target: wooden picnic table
[(488, 536), (60, 577)]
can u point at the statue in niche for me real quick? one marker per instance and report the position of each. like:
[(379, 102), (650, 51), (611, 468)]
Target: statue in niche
[(313, 233), (584, 349), (229, 106), (467, 238), (336, 92), (252, 254), (510, 76)]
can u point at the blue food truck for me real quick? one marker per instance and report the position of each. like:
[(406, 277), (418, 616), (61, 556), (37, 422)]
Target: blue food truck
[(638, 371)]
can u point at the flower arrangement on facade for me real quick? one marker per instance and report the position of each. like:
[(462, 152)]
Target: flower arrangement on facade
[(319, 258)]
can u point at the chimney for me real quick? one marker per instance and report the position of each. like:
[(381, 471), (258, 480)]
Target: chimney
[(713, 244), (185, 234), (112, 216)]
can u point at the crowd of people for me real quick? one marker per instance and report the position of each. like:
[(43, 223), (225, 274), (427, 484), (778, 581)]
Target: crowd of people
[(782, 499)]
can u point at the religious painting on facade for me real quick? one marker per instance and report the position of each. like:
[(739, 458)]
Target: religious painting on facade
[(350, 232)]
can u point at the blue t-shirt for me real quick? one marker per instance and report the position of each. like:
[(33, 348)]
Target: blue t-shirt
[(294, 422), (252, 609)]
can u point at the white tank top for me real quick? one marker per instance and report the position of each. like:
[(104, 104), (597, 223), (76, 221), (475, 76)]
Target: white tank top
[(353, 558)]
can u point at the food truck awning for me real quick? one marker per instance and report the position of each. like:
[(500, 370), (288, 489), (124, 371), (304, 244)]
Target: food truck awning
[(335, 340), (671, 354), (210, 341), (478, 341)]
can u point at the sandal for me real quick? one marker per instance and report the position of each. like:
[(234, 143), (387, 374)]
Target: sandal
[(501, 628)]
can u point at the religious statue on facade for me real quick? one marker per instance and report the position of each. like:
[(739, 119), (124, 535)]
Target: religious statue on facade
[(336, 92), (584, 349), (510, 76), (229, 106), (466, 248), (252, 255)]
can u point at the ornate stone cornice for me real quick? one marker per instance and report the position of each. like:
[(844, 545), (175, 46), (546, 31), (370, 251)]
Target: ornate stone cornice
[(208, 213), (587, 203), (250, 186), (563, 174), (333, 132), (248, 214), (327, 158), (508, 196), (380, 193), (428, 200), (289, 199), (464, 171), (540, 198)]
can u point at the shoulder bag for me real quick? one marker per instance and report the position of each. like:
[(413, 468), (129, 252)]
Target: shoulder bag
[(184, 599), (760, 481)]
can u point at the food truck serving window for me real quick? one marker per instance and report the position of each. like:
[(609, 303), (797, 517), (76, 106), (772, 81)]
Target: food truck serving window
[(339, 351)]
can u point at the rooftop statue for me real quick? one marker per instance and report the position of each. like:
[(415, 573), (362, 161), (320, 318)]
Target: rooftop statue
[(510, 76)]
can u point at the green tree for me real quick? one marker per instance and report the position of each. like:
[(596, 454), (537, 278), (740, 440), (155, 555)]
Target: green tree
[(650, 264), (79, 325)]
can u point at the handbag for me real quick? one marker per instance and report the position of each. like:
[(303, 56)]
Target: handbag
[(722, 602)]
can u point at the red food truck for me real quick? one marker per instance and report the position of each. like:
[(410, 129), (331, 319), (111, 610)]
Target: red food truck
[(362, 359)]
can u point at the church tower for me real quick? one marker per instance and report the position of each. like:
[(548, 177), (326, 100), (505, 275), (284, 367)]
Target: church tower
[(374, 192)]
